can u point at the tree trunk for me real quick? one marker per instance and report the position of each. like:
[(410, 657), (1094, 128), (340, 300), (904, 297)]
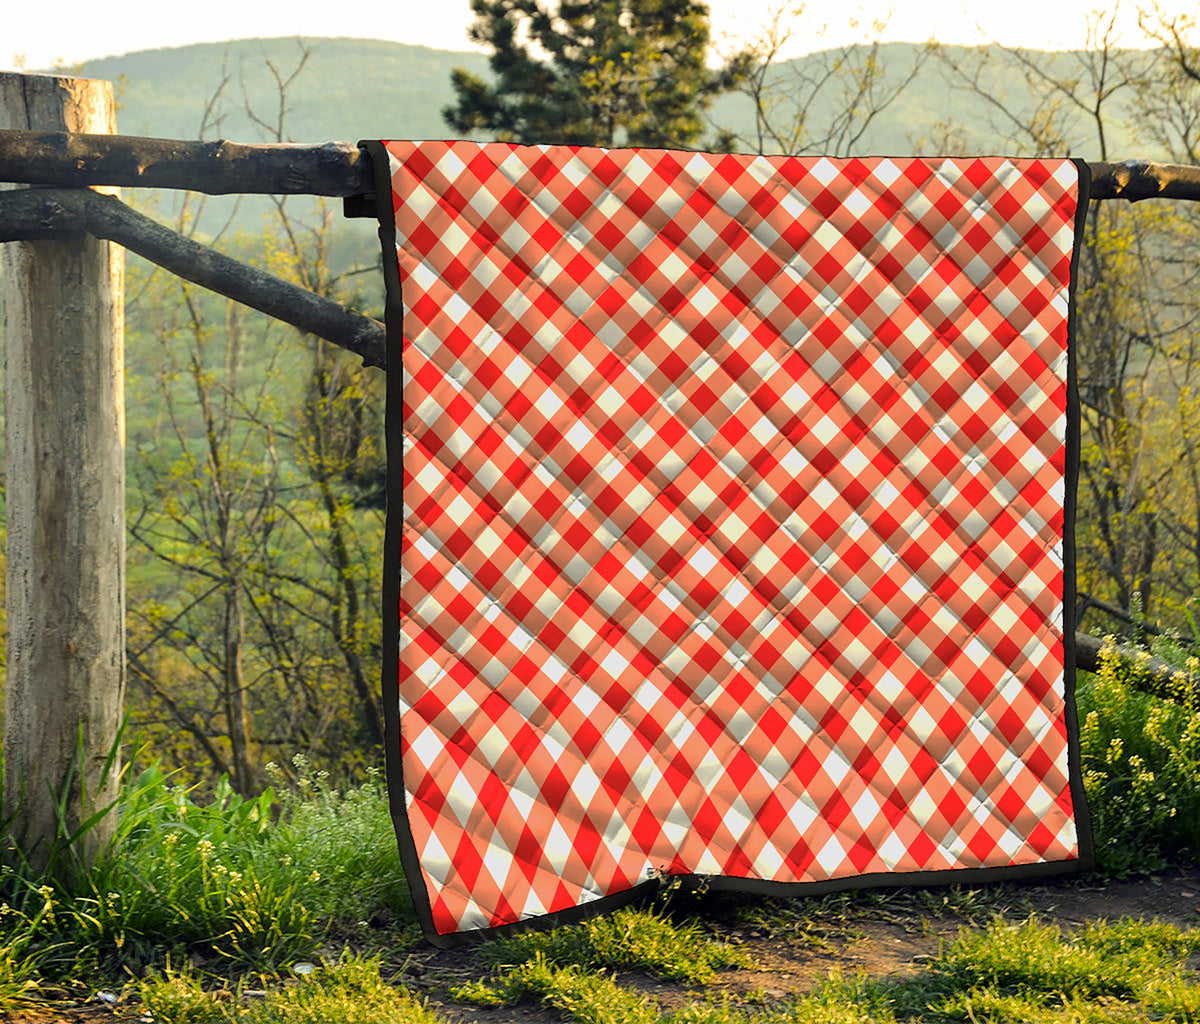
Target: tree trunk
[(238, 715), (65, 436), (347, 632)]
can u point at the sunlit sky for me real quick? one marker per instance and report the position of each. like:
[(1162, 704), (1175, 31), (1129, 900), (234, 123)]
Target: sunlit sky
[(72, 31)]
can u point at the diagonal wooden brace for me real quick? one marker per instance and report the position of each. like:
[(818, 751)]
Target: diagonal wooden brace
[(39, 213)]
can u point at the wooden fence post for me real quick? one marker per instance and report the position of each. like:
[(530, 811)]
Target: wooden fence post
[(65, 439)]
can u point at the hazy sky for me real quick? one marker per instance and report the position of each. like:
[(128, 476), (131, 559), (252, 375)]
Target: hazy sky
[(74, 31)]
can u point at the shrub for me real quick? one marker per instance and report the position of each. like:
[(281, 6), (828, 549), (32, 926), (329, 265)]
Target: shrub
[(1141, 766)]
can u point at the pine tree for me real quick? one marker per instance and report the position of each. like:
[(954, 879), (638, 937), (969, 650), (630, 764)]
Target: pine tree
[(615, 72)]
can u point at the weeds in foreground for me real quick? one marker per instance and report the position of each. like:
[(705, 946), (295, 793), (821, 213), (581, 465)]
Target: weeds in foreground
[(597, 998), (346, 836), (1120, 961), (567, 968), (24, 947), (196, 873), (1032, 972), (256, 882), (350, 991), (631, 938), (837, 1001), (584, 995)]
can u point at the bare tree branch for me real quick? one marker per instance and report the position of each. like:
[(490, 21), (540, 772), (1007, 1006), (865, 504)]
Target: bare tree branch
[(1148, 673), (184, 717)]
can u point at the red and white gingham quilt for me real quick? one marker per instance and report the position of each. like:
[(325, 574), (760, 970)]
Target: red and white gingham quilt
[(729, 523)]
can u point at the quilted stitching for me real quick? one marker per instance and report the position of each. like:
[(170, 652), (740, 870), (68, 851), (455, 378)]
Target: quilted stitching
[(733, 518)]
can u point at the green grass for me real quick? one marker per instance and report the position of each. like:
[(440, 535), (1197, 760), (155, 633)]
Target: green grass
[(1130, 970), (836, 1001), (1030, 959), (584, 995), (349, 991), (254, 883), (632, 938), (1027, 972), (588, 997), (196, 872), (568, 968), (345, 836), (26, 944)]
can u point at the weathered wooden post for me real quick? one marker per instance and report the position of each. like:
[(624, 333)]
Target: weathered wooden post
[(65, 438)]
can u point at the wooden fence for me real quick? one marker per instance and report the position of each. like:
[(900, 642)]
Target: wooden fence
[(64, 402)]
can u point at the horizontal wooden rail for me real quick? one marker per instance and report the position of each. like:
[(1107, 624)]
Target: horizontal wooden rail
[(217, 168), (343, 169), (35, 213), (1135, 180), (1087, 657)]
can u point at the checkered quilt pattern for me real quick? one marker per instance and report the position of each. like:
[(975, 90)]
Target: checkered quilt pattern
[(729, 523)]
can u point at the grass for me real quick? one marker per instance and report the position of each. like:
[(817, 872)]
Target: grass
[(349, 991), (567, 968), (1027, 972), (1033, 972), (1121, 961), (632, 938), (194, 872), (583, 995), (255, 883), (346, 837), (25, 948), (233, 891)]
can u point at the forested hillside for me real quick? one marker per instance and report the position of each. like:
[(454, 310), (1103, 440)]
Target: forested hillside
[(351, 88)]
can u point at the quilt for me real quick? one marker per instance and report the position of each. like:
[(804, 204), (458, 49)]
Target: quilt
[(729, 527)]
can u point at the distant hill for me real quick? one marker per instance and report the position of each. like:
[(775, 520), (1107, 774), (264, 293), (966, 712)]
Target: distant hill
[(353, 89), (350, 88), (364, 88)]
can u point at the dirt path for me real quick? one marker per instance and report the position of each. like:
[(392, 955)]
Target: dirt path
[(793, 950), (884, 940)]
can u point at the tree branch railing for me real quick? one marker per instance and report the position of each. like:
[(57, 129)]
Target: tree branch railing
[(216, 168), (69, 162), (221, 167), (1148, 673), (77, 160)]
